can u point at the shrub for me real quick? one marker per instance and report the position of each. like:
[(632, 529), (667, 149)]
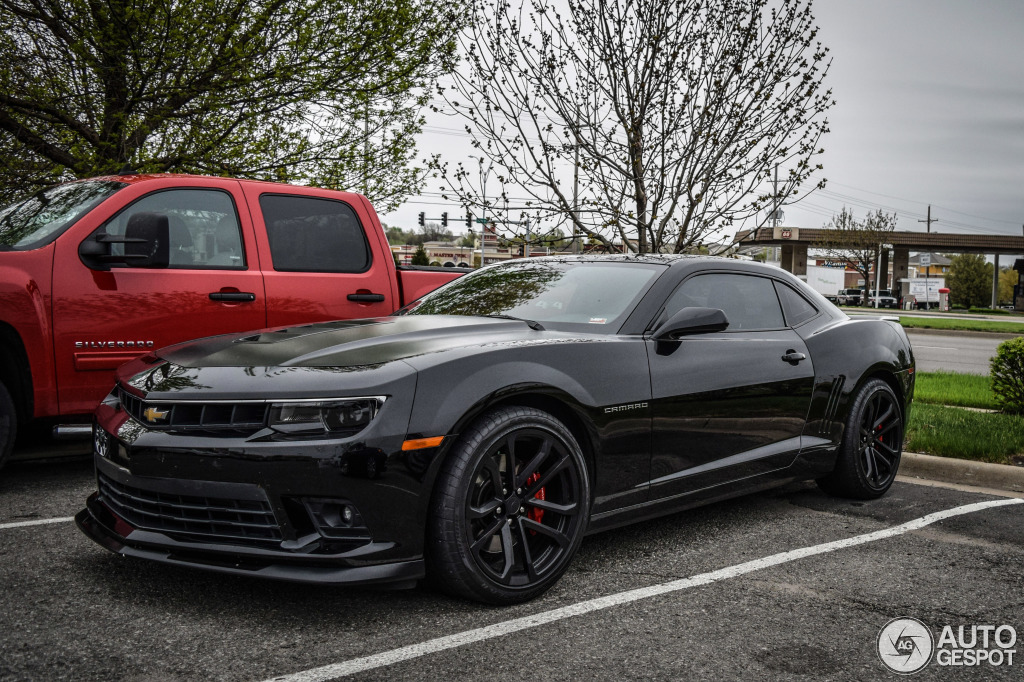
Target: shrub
[(989, 311), (1008, 375)]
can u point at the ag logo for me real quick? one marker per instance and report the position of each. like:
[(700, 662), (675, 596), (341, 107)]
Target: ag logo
[(905, 645)]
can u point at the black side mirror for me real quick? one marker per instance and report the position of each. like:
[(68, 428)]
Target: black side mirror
[(146, 244), (691, 321)]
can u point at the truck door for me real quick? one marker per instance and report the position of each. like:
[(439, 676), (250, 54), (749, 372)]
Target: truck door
[(213, 285), (322, 263)]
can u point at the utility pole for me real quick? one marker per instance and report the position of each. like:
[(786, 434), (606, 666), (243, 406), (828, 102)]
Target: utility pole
[(928, 268)]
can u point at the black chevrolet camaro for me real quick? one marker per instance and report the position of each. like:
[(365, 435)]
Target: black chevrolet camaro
[(479, 433)]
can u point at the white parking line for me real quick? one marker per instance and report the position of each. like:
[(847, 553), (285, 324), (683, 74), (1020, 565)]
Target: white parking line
[(40, 522), (386, 658)]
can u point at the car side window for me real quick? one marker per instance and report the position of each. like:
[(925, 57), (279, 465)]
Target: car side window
[(795, 307), (203, 229), (308, 234), (749, 301)]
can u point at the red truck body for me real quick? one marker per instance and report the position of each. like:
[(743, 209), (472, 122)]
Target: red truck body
[(66, 323)]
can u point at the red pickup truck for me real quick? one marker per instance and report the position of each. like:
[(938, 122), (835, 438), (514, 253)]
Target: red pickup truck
[(96, 272)]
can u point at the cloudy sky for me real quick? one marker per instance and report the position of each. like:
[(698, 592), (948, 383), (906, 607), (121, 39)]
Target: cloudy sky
[(930, 109)]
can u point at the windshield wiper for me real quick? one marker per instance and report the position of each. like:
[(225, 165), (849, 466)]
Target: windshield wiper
[(532, 324)]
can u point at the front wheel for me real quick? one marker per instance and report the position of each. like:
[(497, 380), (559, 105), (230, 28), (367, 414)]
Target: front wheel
[(510, 507), (872, 444)]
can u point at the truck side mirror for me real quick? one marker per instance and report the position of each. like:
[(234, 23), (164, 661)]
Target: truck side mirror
[(691, 321), (146, 244)]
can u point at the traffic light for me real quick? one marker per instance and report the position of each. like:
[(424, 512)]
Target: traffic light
[(444, 219), (469, 220), (423, 219)]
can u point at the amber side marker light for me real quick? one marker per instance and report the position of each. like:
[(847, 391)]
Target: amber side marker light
[(420, 443)]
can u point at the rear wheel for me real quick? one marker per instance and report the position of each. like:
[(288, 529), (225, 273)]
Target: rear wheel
[(510, 507), (869, 455), (8, 424)]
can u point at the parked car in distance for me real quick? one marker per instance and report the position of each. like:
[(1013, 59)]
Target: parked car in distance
[(884, 299), (851, 296), (96, 272), (480, 432)]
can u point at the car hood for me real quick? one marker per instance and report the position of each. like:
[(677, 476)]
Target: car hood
[(350, 343)]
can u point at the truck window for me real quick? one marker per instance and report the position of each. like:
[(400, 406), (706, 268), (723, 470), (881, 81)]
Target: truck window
[(36, 221), (204, 229), (307, 234)]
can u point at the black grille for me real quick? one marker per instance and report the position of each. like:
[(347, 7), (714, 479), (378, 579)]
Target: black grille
[(241, 417), (247, 522)]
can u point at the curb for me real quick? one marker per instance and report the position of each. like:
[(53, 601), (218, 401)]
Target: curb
[(963, 471)]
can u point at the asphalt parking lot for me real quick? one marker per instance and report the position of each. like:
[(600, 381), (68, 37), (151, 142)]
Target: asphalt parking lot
[(729, 596)]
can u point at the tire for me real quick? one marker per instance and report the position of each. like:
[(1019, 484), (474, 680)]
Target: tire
[(869, 455), (8, 425), (501, 534)]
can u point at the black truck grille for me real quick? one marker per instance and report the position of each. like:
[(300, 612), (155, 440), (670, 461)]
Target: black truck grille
[(236, 417), (246, 522)]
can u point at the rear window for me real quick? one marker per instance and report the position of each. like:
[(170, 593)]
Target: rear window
[(38, 220), (308, 234)]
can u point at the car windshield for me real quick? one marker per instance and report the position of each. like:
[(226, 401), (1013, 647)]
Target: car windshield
[(593, 295), (38, 220)]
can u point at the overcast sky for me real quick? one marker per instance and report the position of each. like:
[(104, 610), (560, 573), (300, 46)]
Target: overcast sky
[(930, 109)]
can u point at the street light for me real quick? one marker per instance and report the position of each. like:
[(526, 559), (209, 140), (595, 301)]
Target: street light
[(483, 189)]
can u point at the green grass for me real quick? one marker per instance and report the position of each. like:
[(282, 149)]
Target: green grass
[(963, 434), (952, 388), (966, 325), (990, 311)]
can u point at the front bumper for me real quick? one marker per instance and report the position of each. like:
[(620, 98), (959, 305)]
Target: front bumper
[(99, 523), (258, 508)]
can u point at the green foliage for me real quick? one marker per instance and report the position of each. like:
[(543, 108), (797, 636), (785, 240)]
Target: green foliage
[(989, 311), (324, 92), (420, 257), (969, 280), (1007, 369), (999, 326), (964, 434), (954, 388), (1008, 278)]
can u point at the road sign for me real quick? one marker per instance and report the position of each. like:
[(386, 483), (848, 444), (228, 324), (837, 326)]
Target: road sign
[(926, 259), (482, 221)]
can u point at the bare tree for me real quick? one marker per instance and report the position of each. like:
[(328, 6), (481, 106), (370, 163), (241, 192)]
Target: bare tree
[(658, 122), (857, 243)]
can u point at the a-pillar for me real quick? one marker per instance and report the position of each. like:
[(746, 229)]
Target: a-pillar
[(900, 268)]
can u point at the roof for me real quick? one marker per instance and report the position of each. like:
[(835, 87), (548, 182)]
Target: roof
[(915, 241)]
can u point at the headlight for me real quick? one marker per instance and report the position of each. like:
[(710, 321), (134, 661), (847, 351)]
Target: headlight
[(338, 417)]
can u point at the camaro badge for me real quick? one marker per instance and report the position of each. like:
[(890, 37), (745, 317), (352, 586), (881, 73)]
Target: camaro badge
[(153, 415), (623, 408)]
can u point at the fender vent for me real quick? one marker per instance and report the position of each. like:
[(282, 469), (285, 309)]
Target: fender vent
[(833, 405)]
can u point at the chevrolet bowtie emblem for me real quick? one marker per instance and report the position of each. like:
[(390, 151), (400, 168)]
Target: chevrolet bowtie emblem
[(154, 415)]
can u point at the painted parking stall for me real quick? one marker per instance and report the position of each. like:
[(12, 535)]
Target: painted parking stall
[(788, 582)]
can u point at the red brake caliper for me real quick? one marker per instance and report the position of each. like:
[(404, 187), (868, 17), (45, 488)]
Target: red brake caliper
[(534, 513)]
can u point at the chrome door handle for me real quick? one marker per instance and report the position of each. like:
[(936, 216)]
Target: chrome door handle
[(793, 357)]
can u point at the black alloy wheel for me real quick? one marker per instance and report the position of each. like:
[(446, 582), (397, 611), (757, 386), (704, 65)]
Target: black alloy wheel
[(510, 507), (872, 445)]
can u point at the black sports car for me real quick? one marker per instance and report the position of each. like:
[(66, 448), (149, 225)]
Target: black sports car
[(479, 433)]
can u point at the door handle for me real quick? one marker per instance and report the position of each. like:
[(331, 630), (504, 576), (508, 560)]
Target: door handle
[(793, 357), (236, 296), (366, 298)]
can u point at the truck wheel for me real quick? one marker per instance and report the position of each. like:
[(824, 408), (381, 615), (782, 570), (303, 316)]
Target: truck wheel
[(509, 509), (869, 454), (8, 424)]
